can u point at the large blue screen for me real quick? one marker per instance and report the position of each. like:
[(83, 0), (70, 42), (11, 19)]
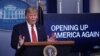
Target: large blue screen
[(84, 29)]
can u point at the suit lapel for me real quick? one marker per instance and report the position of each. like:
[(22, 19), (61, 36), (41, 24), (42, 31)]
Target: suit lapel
[(27, 36), (38, 32)]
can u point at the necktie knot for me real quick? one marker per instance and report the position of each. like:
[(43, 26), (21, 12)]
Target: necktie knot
[(32, 26)]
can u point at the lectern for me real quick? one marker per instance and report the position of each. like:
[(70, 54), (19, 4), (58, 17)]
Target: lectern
[(57, 48)]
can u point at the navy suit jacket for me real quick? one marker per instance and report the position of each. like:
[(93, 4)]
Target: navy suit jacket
[(22, 29)]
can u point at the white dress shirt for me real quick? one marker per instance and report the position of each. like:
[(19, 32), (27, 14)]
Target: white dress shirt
[(30, 33)]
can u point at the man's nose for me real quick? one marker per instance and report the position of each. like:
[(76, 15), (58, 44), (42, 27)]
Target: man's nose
[(33, 18)]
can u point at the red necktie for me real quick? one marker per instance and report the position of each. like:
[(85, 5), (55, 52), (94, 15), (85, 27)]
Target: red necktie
[(33, 34)]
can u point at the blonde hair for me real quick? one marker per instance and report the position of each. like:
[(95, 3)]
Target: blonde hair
[(31, 9)]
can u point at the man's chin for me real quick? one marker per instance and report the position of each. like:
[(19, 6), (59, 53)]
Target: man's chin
[(33, 22)]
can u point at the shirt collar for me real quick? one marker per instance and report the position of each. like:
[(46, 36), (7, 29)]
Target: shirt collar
[(29, 25)]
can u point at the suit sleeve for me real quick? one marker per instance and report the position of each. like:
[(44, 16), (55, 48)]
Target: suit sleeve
[(14, 38)]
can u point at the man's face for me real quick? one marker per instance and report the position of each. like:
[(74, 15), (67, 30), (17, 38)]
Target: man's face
[(31, 17)]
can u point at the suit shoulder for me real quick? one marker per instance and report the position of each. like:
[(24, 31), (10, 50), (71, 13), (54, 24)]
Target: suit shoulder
[(19, 25), (40, 26)]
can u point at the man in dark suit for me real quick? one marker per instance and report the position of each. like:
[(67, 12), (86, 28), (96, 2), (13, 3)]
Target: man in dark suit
[(29, 31)]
